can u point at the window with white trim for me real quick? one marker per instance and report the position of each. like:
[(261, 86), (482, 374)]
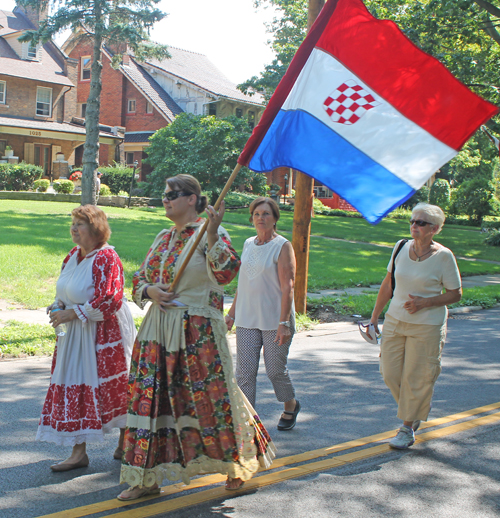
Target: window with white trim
[(85, 66), (44, 101), (129, 158), (131, 106), (31, 51), (149, 107), (3, 91), (83, 108)]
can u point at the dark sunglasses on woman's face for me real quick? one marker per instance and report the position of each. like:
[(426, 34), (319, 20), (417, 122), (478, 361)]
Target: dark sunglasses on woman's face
[(173, 195), (419, 222)]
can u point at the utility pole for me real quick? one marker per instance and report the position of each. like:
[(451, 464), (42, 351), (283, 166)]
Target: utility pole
[(303, 206)]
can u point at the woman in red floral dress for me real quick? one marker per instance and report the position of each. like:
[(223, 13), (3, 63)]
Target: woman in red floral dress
[(87, 396), (186, 413)]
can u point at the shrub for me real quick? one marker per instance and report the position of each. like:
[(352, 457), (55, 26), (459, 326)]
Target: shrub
[(41, 185), (145, 187), (117, 178), (123, 193), (75, 175), (63, 186), (493, 238), (105, 190), (440, 193), (19, 177)]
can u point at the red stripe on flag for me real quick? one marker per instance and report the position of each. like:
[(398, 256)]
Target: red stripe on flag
[(416, 84)]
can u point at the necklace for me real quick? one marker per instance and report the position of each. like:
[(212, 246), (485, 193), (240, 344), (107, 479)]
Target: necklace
[(423, 255), (260, 243)]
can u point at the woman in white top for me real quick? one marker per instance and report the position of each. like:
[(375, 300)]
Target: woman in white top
[(415, 323), (263, 310)]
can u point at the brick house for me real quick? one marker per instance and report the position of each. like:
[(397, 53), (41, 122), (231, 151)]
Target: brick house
[(144, 97), (38, 99)]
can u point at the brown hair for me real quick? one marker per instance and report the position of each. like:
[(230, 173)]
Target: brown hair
[(259, 201), (189, 185), (96, 219)]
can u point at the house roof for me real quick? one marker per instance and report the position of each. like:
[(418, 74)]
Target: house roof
[(48, 70), (138, 136), (198, 70), (151, 89)]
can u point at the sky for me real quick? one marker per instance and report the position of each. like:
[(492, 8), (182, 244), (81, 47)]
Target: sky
[(231, 33)]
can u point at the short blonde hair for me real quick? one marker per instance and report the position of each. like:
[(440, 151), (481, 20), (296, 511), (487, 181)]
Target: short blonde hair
[(96, 219), (433, 214)]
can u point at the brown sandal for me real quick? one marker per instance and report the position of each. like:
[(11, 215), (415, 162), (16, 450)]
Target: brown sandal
[(239, 486)]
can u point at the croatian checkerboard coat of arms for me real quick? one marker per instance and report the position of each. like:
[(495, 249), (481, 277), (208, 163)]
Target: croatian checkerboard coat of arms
[(348, 103)]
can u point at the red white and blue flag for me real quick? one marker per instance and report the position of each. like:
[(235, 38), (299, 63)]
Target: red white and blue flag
[(365, 112)]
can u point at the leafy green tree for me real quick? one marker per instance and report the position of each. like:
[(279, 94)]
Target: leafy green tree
[(116, 24), (205, 147), (475, 198), (440, 193)]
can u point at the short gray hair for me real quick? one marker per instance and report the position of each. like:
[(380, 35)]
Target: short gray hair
[(433, 214)]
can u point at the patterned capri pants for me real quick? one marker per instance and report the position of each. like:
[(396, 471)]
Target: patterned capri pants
[(249, 342)]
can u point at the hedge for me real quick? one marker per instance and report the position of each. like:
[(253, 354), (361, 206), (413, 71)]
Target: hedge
[(117, 178), (19, 177)]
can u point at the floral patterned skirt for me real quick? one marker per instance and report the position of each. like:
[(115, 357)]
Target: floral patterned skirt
[(186, 414)]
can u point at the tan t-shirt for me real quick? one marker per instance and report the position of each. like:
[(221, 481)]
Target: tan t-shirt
[(423, 279)]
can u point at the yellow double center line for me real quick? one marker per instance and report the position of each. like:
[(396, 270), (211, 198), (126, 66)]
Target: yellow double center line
[(284, 474)]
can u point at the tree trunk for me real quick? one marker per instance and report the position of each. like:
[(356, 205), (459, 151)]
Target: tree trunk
[(303, 208), (91, 146)]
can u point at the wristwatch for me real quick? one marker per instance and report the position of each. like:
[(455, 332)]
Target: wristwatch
[(285, 323)]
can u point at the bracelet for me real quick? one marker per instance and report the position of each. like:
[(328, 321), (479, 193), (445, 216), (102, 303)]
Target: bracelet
[(285, 323), (230, 317)]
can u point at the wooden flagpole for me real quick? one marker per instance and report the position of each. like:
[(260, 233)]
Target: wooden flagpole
[(204, 227), (303, 207)]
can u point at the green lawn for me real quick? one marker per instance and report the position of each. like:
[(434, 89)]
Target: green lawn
[(34, 239)]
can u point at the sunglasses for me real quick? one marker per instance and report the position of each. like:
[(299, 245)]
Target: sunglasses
[(419, 222), (173, 195)]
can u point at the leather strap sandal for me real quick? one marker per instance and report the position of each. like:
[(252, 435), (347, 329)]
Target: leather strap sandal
[(134, 493), (237, 486), (288, 424)]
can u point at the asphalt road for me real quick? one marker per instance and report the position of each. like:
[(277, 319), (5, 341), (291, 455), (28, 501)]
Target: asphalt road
[(343, 398)]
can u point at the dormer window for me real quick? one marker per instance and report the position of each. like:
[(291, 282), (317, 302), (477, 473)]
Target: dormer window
[(31, 51)]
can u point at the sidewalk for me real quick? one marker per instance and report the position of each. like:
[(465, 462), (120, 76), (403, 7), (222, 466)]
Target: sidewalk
[(39, 316)]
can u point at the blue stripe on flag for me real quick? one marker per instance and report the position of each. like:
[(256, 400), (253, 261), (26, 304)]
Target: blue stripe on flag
[(297, 139)]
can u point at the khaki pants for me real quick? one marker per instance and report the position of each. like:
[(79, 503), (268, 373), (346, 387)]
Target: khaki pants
[(410, 364)]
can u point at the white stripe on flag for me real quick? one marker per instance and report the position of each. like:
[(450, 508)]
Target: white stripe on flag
[(381, 131)]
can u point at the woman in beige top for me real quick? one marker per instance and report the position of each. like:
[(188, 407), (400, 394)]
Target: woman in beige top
[(415, 323), (263, 310)]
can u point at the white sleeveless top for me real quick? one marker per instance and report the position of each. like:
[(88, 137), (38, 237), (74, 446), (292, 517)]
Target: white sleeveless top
[(258, 304)]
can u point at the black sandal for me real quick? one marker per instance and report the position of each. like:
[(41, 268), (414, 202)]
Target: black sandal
[(288, 424)]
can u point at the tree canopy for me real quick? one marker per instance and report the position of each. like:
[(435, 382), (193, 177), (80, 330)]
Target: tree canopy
[(205, 147), (117, 24)]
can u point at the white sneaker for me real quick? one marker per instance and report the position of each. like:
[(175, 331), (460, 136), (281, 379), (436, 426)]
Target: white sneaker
[(404, 438)]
